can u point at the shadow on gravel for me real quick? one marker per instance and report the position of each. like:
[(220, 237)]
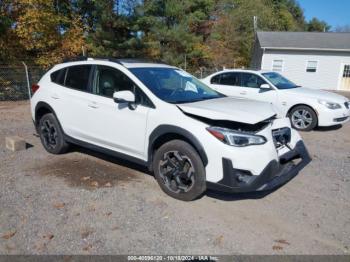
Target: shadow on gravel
[(109, 158), (327, 128), (29, 146), (237, 196), (240, 196), (91, 173)]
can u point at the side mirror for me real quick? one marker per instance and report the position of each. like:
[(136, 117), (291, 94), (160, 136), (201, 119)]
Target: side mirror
[(124, 97), (265, 86)]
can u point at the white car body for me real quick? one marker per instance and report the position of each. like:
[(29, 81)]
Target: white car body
[(286, 99), (97, 121)]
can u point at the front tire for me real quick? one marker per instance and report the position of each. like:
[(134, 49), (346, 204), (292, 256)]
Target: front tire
[(303, 118), (51, 135), (179, 170)]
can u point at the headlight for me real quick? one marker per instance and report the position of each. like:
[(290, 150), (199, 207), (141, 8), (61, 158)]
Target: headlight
[(234, 138), (329, 105)]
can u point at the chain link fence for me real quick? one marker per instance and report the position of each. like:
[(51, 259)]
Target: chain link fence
[(13, 81), (203, 72)]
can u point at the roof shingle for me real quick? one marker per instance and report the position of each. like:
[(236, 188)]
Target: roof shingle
[(305, 40)]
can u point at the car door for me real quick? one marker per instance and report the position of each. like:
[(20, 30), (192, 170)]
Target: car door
[(227, 83), (250, 86), (119, 127), (72, 95)]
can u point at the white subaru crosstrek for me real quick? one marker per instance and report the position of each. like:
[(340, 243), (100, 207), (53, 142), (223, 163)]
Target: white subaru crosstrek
[(159, 116), (306, 108)]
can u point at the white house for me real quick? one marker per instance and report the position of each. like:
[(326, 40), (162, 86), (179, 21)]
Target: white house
[(315, 60)]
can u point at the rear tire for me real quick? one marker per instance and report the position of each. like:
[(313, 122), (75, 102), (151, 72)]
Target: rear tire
[(179, 170), (51, 135), (303, 118)]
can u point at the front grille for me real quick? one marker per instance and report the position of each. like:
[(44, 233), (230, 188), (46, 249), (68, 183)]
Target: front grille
[(281, 136), (347, 105)]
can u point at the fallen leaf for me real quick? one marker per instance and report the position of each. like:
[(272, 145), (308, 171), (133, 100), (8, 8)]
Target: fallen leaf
[(59, 205), (87, 247), (41, 247), (9, 247), (115, 228), (91, 208), (108, 184), (48, 236), (85, 178), (94, 183), (9, 234), (282, 241), (277, 248), (108, 214), (86, 232), (218, 241)]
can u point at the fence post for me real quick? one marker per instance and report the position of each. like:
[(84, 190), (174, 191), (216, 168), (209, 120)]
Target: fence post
[(27, 76)]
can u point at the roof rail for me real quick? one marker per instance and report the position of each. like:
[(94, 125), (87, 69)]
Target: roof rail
[(113, 59)]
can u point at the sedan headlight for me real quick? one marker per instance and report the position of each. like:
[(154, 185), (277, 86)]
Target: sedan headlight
[(235, 138), (329, 105)]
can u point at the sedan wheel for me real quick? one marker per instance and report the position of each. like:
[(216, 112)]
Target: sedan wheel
[(303, 118)]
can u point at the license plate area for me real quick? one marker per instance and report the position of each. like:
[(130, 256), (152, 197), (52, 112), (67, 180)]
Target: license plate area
[(281, 136)]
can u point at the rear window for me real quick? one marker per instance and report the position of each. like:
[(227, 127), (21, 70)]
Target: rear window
[(77, 77), (58, 76), (230, 79)]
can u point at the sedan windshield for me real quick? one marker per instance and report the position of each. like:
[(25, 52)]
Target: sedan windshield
[(174, 85), (279, 81)]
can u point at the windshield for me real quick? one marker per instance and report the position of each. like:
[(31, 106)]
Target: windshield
[(279, 81), (174, 85)]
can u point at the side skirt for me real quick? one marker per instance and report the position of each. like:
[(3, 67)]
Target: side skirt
[(106, 151)]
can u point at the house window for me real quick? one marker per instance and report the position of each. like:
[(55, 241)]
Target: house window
[(277, 65), (311, 66)]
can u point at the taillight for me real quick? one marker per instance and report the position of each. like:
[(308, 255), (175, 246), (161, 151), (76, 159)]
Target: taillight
[(35, 87)]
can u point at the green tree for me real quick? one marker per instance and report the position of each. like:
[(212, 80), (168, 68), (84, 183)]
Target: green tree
[(112, 31), (233, 30), (47, 35), (174, 31), (316, 25)]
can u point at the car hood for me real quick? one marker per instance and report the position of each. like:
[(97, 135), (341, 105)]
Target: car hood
[(317, 94), (230, 109)]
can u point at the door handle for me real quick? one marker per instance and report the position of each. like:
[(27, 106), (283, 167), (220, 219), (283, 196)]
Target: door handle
[(243, 93), (93, 105), (55, 96)]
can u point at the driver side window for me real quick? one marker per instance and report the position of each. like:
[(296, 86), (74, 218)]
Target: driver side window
[(108, 80), (252, 80)]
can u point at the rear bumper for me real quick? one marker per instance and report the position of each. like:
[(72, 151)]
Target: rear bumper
[(274, 174)]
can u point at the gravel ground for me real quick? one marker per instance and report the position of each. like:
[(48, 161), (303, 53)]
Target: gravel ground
[(87, 203)]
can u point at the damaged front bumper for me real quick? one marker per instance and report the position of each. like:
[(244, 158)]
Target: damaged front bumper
[(274, 174)]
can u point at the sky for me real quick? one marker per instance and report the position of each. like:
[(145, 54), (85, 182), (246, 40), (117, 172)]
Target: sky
[(334, 12)]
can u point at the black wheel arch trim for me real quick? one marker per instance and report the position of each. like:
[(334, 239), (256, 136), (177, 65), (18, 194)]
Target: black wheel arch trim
[(41, 105), (163, 130)]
